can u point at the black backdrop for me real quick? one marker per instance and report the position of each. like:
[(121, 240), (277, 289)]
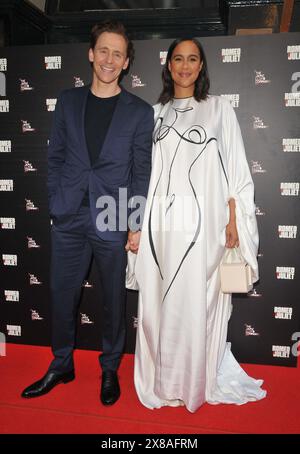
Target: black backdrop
[(261, 77)]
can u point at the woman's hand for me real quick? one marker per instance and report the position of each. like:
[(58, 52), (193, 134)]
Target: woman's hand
[(232, 237)]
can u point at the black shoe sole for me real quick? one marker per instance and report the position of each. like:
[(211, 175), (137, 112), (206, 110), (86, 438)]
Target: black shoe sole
[(107, 404)]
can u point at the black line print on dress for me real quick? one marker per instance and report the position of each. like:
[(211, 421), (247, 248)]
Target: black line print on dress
[(200, 139), (159, 121), (223, 167)]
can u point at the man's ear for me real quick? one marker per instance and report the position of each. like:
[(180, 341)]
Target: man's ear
[(125, 66), (91, 55)]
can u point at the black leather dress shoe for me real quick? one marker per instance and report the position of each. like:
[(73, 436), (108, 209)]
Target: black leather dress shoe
[(110, 388), (47, 383)]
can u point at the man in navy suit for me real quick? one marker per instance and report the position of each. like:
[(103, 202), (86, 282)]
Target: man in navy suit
[(100, 142)]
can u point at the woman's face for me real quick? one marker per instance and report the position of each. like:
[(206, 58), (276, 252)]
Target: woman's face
[(185, 66)]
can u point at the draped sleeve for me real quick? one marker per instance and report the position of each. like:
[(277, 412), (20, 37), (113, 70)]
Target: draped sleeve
[(240, 186)]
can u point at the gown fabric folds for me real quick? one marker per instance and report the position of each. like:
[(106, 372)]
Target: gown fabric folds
[(198, 164)]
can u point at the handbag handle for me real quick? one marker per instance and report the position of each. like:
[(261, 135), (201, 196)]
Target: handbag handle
[(233, 255)]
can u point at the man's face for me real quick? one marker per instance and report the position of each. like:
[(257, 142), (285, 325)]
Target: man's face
[(109, 57)]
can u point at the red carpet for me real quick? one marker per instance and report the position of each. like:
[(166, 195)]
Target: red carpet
[(75, 408)]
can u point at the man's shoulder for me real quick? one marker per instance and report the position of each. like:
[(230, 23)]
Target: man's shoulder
[(139, 102), (74, 93)]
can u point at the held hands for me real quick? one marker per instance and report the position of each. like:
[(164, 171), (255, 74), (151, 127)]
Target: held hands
[(133, 241), (232, 237)]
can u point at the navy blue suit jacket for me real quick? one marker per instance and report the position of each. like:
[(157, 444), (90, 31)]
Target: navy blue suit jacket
[(124, 161)]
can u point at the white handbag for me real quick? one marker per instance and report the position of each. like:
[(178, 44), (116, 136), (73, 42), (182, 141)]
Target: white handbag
[(235, 272)]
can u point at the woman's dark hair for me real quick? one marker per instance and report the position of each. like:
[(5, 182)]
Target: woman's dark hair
[(202, 83), (112, 27)]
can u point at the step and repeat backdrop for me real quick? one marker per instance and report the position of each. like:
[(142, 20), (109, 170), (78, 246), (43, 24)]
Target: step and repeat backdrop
[(260, 75)]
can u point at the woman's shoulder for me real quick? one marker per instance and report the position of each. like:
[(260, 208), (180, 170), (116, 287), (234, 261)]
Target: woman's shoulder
[(159, 108), (221, 103), (218, 100)]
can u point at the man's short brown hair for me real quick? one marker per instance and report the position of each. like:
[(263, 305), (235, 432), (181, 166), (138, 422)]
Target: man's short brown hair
[(112, 27)]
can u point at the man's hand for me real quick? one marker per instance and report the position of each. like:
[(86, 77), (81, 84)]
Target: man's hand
[(133, 241)]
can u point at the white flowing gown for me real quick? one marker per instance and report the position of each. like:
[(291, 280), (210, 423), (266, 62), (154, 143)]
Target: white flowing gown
[(199, 163)]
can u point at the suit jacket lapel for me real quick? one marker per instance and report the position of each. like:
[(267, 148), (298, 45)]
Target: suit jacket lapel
[(119, 115), (81, 129)]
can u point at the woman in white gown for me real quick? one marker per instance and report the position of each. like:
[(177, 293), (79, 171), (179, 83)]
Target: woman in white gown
[(200, 199)]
